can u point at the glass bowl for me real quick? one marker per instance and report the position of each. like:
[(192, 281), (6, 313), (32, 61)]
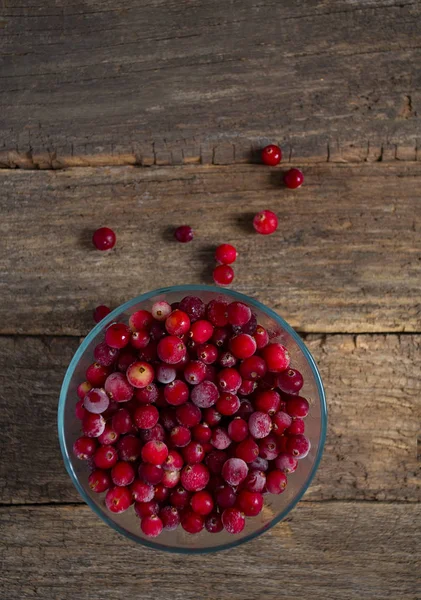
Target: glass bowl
[(276, 507)]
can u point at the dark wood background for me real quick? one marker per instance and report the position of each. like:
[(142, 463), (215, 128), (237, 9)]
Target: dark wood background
[(148, 114)]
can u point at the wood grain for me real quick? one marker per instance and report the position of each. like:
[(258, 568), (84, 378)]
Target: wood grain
[(328, 551), (346, 257), (373, 386), (164, 83)]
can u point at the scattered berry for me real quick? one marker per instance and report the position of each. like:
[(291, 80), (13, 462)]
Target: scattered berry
[(183, 234), (293, 179), (223, 275), (271, 155), (104, 238), (225, 254), (265, 222), (101, 312)]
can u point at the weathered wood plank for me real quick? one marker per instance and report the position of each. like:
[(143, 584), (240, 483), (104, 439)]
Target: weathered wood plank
[(112, 82), (333, 551), (373, 386), (346, 257)]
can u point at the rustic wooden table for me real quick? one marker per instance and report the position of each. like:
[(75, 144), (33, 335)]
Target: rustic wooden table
[(94, 92)]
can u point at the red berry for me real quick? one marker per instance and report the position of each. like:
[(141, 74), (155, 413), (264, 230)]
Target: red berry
[(205, 394), (165, 373), (151, 474), (298, 445), (146, 416), (229, 380), (234, 471), (202, 433), (233, 520), (176, 392), (171, 349), (180, 436), (96, 374), (141, 491), (101, 312), (223, 275), (247, 387), (261, 336), (140, 339), (238, 313), (96, 401), (104, 238), (242, 345), (259, 464), (174, 461), (286, 463), (118, 499), (269, 447), (250, 503), (122, 473), (141, 319), (268, 401), (122, 421), (180, 498), (227, 404), (195, 477), (213, 523), (128, 356), (147, 395), (265, 222), (154, 452), (99, 481), (195, 372), (202, 503), (245, 410), (217, 313), (188, 415), (161, 310), (277, 357), (146, 509), (260, 425), (170, 517), (151, 526), (93, 425), (255, 481), (84, 448), (296, 407), (220, 438), (177, 323), (293, 179), (161, 491), (183, 234), (276, 482), (201, 331), (83, 389), (208, 353), (215, 461), (290, 381), (248, 450), (238, 429), (170, 478), (118, 388), (280, 422), (194, 307), (140, 374), (225, 496), (225, 254), (211, 416), (108, 436), (117, 335), (192, 522), (253, 368), (104, 355), (129, 447), (297, 426), (193, 453), (105, 457), (271, 155)]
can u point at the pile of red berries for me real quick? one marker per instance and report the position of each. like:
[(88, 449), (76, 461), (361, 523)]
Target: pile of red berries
[(191, 413)]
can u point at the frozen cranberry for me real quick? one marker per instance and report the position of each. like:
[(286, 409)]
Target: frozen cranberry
[(168, 418), (242, 345), (293, 179), (223, 275), (202, 503), (247, 387), (297, 426), (96, 401), (101, 312), (122, 421), (271, 155), (238, 429), (280, 422), (296, 407), (261, 336), (277, 357), (202, 433), (215, 461), (140, 339), (141, 319), (162, 492), (147, 395), (211, 416), (108, 436), (180, 436), (122, 473), (129, 448), (238, 313), (220, 336), (174, 461), (227, 404), (183, 234), (192, 522), (255, 481), (171, 478), (161, 310), (194, 307), (141, 491), (171, 349), (177, 323), (268, 401), (99, 481), (118, 388), (234, 471), (233, 520), (176, 392), (286, 463), (96, 374), (195, 477), (156, 433), (253, 368), (250, 503), (213, 523), (205, 394), (229, 380), (298, 445), (220, 438), (195, 372), (259, 464), (146, 509), (290, 381), (165, 373), (104, 238), (269, 447), (117, 335), (84, 448), (208, 353), (247, 450), (201, 331), (265, 222), (151, 474), (93, 425), (118, 499), (146, 416), (104, 355), (276, 482), (154, 452), (140, 374), (225, 496), (193, 453), (260, 425), (83, 389), (151, 526), (188, 415), (245, 410), (105, 457), (249, 327), (180, 498), (170, 517), (126, 357)]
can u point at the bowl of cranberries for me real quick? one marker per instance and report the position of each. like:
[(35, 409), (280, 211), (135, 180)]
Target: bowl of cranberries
[(192, 419)]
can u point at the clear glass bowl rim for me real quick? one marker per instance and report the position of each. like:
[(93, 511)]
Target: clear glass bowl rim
[(188, 289)]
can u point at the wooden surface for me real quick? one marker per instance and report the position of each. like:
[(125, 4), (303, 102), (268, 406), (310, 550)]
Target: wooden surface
[(91, 93)]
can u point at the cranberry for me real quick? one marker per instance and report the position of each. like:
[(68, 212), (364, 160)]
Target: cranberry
[(162, 492), (118, 499), (260, 425), (293, 179), (247, 450), (205, 394), (297, 426), (105, 457), (271, 155), (234, 471), (83, 389), (170, 517), (255, 481), (215, 461), (225, 254), (202, 433), (93, 425), (180, 436), (176, 392), (188, 415), (108, 436), (147, 395), (140, 339), (286, 463), (117, 335), (99, 481), (211, 416), (298, 445), (296, 407), (217, 313), (129, 447), (146, 509), (192, 522), (245, 410), (141, 319), (96, 401), (126, 357), (141, 491), (220, 438), (280, 422), (154, 452), (193, 453), (195, 477), (220, 336), (122, 473), (177, 323), (104, 355), (104, 238), (118, 388), (268, 402), (96, 374), (151, 526), (269, 448), (290, 381), (243, 345), (146, 416), (261, 336), (225, 496), (174, 461), (213, 523), (265, 222), (223, 275), (227, 404), (101, 312), (140, 374), (161, 310), (250, 327), (180, 498), (238, 313), (250, 503), (276, 482), (277, 357), (247, 387), (229, 380), (171, 478), (202, 503), (165, 373), (253, 368), (259, 464), (171, 349), (208, 353), (122, 421), (194, 307), (151, 474), (238, 429), (233, 520), (195, 372), (168, 418), (183, 234), (84, 448)]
